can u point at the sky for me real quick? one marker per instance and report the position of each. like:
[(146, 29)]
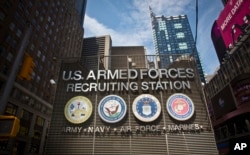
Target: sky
[(128, 23)]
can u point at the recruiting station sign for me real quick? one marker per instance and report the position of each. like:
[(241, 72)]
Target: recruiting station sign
[(129, 111)]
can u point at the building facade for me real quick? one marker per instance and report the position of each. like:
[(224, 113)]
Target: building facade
[(94, 47), (227, 92), (128, 56), (55, 32), (228, 98), (130, 110), (172, 35)]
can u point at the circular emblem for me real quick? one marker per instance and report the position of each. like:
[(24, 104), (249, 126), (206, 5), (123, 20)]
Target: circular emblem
[(112, 109), (146, 108), (180, 107), (78, 109)]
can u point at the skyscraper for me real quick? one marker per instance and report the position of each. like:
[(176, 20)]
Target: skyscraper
[(56, 33), (94, 47), (128, 57), (173, 36)]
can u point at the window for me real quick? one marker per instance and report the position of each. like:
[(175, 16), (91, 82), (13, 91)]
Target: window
[(10, 56), (30, 4), (19, 33), (37, 13), (11, 109), (38, 53), (177, 25), (180, 35), (46, 26), (49, 19), (43, 58), (41, 18), (17, 16), (32, 47), (12, 26), (39, 121), (2, 50), (14, 43), (33, 21), (38, 27), (171, 59), (183, 46), (2, 16), (7, 38), (38, 79), (26, 115), (23, 131), (40, 69), (169, 47)]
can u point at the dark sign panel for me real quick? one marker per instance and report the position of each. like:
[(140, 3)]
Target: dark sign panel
[(223, 102)]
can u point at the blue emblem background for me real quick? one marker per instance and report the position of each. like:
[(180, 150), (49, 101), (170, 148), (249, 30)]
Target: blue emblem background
[(146, 108), (118, 117), (152, 104)]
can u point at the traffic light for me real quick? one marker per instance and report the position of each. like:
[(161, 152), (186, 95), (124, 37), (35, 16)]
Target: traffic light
[(9, 126), (27, 68)]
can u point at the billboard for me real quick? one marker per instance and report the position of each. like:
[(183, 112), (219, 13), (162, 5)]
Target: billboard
[(218, 42), (233, 19)]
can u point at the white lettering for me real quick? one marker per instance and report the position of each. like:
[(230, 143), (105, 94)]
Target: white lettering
[(91, 75), (240, 146), (144, 86), (143, 72), (132, 74), (77, 75), (112, 76), (101, 73), (231, 14)]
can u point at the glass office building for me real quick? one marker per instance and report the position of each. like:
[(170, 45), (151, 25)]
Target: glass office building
[(173, 36)]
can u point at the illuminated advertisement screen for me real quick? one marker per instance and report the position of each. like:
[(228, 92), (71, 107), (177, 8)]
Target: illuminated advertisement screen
[(233, 16)]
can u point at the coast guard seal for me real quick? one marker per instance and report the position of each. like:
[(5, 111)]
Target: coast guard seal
[(146, 108), (180, 107), (112, 109)]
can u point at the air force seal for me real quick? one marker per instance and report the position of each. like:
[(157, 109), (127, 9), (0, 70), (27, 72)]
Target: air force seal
[(180, 107), (146, 108), (78, 109), (112, 109)]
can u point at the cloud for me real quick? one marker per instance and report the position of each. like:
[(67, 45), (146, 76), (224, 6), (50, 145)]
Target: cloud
[(134, 25), (204, 43), (171, 7), (125, 37)]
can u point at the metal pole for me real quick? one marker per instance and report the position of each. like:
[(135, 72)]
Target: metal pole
[(11, 79)]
